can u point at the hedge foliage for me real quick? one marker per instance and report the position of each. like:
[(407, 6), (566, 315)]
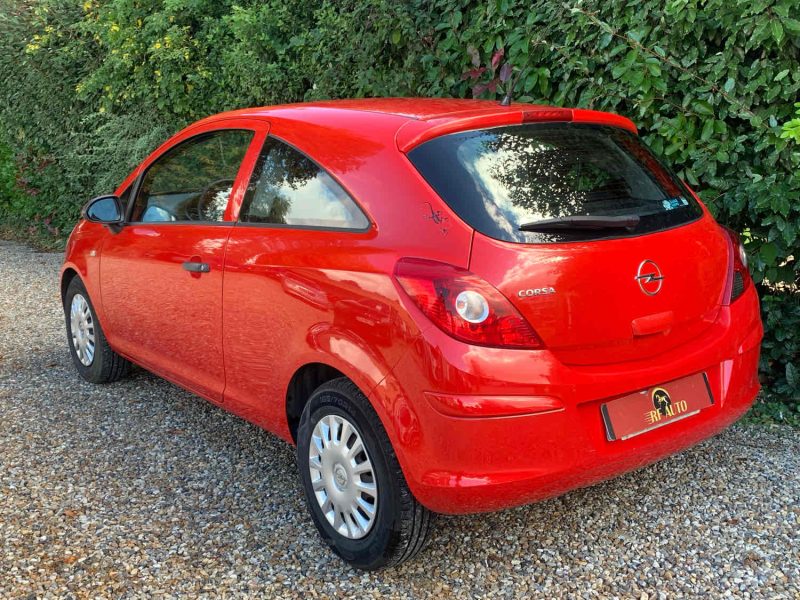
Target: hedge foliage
[(86, 90)]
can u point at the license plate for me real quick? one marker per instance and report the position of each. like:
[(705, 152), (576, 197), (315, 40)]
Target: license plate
[(655, 407)]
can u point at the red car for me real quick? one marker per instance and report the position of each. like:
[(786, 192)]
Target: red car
[(449, 306)]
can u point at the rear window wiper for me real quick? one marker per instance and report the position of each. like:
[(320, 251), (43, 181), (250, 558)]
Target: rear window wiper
[(582, 222)]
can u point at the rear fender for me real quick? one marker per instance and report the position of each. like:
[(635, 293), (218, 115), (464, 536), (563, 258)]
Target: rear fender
[(354, 358)]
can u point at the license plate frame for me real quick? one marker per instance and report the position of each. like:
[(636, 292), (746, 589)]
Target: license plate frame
[(656, 406)]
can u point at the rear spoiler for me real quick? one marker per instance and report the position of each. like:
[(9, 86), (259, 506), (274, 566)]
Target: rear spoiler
[(413, 133)]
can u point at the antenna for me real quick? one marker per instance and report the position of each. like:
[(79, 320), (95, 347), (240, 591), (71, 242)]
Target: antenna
[(506, 101)]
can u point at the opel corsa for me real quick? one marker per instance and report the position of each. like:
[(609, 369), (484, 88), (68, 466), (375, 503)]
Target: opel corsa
[(449, 306)]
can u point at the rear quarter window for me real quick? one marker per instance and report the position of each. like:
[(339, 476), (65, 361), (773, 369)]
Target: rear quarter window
[(288, 189), (498, 179)]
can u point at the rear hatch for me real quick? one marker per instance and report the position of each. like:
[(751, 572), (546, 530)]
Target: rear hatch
[(602, 249)]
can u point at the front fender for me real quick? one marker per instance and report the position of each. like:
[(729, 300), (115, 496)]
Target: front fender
[(82, 257)]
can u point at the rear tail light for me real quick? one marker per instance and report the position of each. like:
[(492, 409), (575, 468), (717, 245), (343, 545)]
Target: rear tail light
[(463, 305), (738, 275)]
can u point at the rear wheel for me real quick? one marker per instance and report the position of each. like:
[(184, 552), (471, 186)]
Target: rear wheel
[(93, 357), (356, 493)]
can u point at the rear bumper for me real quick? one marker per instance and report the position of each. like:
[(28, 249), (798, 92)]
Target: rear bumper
[(457, 459)]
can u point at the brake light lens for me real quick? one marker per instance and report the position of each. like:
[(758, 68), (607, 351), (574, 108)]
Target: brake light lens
[(547, 114), (738, 275), (463, 305)]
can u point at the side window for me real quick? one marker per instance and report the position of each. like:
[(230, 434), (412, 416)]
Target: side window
[(288, 188), (193, 180)]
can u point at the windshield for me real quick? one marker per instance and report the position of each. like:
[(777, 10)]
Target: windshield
[(503, 178)]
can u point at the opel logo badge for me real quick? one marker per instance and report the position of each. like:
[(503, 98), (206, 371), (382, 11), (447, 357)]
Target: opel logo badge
[(649, 277)]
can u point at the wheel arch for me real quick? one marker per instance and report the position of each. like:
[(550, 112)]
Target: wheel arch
[(310, 375), (302, 384), (67, 276)]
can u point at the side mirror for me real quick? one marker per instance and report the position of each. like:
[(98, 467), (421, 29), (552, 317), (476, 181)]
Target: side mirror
[(104, 209)]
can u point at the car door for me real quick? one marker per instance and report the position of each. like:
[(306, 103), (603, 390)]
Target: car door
[(161, 274), (282, 272)]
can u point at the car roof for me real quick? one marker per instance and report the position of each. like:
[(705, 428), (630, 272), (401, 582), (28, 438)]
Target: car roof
[(412, 121), (410, 108)]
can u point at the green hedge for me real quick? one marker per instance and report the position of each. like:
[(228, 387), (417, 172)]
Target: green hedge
[(87, 89)]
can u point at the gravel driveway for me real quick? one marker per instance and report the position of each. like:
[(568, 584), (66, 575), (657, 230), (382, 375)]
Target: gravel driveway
[(141, 489)]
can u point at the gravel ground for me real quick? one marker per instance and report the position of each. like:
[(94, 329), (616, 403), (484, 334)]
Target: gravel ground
[(140, 489)]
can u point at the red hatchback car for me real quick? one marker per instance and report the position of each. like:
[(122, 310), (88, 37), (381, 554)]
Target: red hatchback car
[(447, 305)]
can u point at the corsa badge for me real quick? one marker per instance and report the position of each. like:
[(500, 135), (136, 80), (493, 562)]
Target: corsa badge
[(531, 292)]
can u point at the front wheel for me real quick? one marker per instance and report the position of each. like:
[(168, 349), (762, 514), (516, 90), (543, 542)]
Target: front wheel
[(93, 357), (356, 493)]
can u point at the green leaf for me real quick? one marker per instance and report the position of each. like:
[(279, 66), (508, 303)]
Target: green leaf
[(791, 375), (619, 70), (729, 85), (702, 107), (781, 75), (791, 25), (777, 30), (768, 253), (636, 35), (708, 130), (530, 80)]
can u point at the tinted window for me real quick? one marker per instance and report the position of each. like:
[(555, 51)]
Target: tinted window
[(498, 179), (192, 181), (288, 188)]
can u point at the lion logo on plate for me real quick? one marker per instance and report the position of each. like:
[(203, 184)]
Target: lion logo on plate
[(661, 401), (664, 406)]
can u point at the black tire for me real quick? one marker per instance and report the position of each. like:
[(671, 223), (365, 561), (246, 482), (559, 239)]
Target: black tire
[(106, 365), (401, 523)]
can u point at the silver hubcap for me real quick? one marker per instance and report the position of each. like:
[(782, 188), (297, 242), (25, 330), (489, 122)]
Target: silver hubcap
[(342, 477), (81, 325)]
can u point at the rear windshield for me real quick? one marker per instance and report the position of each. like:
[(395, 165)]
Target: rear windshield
[(502, 178)]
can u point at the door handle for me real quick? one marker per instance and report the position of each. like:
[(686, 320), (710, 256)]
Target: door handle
[(196, 267)]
